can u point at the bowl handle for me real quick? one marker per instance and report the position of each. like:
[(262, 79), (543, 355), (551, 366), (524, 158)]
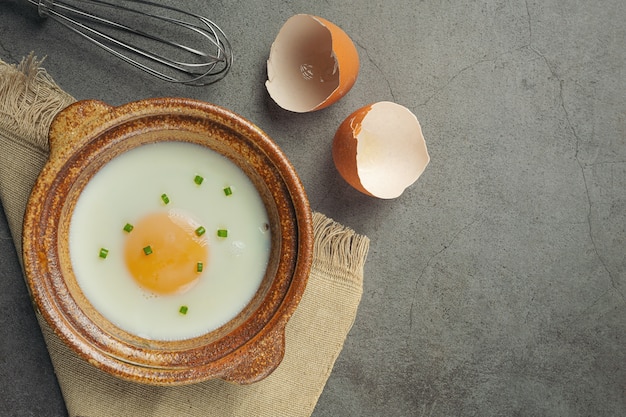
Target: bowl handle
[(73, 126), (262, 356)]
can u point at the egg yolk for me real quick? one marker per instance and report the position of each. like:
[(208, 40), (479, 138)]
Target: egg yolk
[(163, 252)]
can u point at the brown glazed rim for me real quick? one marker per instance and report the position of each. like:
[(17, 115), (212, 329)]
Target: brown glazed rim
[(85, 136)]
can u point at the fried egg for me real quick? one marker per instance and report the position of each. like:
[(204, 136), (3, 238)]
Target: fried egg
[(169, 241)]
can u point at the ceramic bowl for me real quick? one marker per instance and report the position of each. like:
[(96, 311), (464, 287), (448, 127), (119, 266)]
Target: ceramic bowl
[(87, 135)]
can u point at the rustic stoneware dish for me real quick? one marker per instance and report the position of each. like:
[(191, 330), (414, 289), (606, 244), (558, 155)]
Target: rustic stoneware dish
[(87, 135)]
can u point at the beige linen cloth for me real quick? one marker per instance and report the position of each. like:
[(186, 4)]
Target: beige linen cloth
[(29, 99)]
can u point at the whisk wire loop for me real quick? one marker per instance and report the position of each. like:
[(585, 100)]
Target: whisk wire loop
[(182, 63)]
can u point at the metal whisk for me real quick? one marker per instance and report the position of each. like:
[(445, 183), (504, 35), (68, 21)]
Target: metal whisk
[(166, 42)]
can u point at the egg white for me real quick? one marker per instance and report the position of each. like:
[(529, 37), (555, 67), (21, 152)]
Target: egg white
[(129, 187)]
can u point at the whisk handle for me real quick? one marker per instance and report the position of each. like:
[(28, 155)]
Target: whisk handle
[(43, 6)]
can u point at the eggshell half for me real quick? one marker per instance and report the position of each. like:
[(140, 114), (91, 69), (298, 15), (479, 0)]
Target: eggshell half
[(312, 64), (380, 149)]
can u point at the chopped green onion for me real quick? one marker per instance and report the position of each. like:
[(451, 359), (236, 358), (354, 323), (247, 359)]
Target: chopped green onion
[(128, 228), (198, 179), (183, 310), (199, 267), (147, 250), (222, 233), (104, 253), (228, 191), (165, 198), (200, 231)]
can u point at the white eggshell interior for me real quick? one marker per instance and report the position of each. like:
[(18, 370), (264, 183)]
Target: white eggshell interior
[(302, 69), (391, 151)]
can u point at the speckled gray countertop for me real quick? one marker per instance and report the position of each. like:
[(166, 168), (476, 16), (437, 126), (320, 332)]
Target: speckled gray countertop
[(495, 285)]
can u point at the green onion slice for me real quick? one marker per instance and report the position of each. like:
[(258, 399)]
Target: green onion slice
[(165, 198), (200, 231), (222, 233), (228, 191), (104, 253), (199, 267), (198, 179), (128, 228), (183, 310), (147, 250)]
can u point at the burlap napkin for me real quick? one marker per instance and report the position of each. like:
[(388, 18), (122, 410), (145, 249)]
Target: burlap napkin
[(29, 99)]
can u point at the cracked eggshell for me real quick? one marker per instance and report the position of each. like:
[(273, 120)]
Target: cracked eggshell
[(380, 149), (312, 64)]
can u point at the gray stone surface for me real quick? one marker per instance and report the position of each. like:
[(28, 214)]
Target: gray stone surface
[(495, 286)]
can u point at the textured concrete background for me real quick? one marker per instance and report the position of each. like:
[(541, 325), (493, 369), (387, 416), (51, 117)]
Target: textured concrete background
[(496, 285)]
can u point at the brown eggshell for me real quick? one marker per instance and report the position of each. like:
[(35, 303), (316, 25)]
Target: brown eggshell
[(312, 64), (380, 149)]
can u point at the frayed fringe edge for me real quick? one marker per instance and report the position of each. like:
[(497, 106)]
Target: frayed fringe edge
[(339, 246), (29, 100)]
